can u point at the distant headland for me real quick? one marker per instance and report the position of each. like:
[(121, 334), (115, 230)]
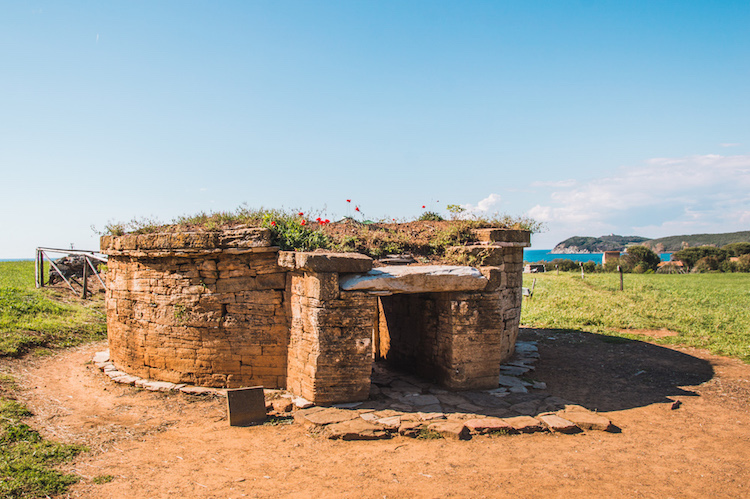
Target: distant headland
[(612, 242)]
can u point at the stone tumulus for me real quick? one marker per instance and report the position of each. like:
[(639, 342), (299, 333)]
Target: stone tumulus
[(228, 309)]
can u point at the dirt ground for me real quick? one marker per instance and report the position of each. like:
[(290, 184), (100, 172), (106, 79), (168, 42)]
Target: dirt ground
[(165, 445)]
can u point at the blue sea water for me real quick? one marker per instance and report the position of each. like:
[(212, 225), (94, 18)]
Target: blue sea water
[(544, 255)]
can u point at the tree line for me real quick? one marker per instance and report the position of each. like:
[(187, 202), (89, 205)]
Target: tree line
[(734, 257)]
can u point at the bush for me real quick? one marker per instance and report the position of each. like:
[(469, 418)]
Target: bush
[(737, 249), (589, 267), (690, 256), (430, 216), (743, 264), (640, 259), (707, 264)]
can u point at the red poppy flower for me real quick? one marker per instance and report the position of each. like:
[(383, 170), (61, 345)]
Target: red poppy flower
[(303, 222), (273, 223), (423, 207), (356, 209), (326, 221), (348, 200), (300, 213), (318, 219)]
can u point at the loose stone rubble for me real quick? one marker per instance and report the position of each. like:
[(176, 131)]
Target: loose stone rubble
[(401, 404)]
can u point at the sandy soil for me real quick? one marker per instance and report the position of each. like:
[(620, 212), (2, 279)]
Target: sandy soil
[(165, 445)]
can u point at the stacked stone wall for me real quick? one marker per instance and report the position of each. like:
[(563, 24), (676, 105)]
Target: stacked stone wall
[(227, 309), (204, 317)]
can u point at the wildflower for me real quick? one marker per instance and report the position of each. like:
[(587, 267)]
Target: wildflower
[(423, 207), (301, 214), (326, 221), (348, 200), (317, 219), (303, 222), (273, 224), (356, 209)]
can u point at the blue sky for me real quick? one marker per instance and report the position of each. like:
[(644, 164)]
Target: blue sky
[(593, 117)]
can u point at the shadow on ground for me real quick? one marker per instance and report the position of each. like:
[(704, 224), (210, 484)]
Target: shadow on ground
[(606, 373), (600, 373)]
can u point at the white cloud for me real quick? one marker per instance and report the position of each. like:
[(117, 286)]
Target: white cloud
[(730, 144), (483, 206), (664, 196)]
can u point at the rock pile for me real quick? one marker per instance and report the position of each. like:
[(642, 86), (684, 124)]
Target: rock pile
[(70, 266)]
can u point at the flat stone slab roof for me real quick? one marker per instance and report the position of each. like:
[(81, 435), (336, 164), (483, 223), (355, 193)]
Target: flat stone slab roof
[(415, 279)]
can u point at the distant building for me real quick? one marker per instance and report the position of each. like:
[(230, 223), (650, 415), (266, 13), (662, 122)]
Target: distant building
[(533, 268), (608, 256), (671, 267)]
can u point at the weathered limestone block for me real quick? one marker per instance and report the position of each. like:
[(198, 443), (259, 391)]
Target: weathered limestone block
[(478, 255), (519, 237), (325, 261)]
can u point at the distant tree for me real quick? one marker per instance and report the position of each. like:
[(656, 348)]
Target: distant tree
[(707, 264), (641, 259), (690, 256), (743, 265), (737, 249)]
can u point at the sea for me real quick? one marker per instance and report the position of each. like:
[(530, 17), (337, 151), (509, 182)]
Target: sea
[(544, 255)]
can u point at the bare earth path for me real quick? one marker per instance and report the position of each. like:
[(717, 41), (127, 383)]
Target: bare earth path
[(171, 445)]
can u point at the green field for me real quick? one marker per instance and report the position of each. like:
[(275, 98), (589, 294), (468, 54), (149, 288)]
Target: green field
[(36, 320), (31, 318), (709, 311)]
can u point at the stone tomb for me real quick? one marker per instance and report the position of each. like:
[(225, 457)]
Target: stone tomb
[(227, 309)]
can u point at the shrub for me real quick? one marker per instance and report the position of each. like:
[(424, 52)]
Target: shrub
[(430, 216), (640, 259), (589, 267), (737, 249), (690, 256), (707, 264), (743, 264)]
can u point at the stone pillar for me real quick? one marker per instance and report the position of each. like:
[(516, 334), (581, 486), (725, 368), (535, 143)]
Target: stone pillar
[(330, 340)]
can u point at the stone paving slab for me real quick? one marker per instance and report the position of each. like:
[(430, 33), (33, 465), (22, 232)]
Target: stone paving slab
[(356, 429), (525, 424), (488, 425), (558, 424), (450, 429), (585, 419), (407, 406)]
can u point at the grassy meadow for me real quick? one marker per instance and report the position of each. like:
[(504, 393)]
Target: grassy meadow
[(36, 320), (709, 311), (31, 318)]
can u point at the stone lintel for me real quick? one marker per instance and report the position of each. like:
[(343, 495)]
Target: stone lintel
[(325, 261), (503, 236), (416, 279)]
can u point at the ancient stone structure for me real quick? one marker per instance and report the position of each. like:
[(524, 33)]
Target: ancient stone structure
[(227, 309)]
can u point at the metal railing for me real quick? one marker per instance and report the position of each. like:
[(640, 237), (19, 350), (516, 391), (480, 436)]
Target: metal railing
[(42, 253)]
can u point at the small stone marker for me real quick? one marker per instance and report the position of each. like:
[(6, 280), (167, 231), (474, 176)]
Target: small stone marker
[(246, 406)]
